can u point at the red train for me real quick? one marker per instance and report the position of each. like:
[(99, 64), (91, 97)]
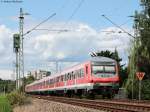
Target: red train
[(99, 75)]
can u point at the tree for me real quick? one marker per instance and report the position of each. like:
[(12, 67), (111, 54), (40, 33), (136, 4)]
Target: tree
[(29, 79), (140, 50), (7, 86)]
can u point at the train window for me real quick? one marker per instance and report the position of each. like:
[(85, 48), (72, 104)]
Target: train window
[(98, 69), (57, 79), (76, 73), (110, 69), (81, 73), (72, 76), (68, 76), (65, 77), (47, 82), (52, 81)]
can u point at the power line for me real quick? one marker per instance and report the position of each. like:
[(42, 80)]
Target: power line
[(73, 13), (76, 9), (40, 24), (118, 26), (64, 30)]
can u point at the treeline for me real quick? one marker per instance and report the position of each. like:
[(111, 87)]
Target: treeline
[(6, 86)]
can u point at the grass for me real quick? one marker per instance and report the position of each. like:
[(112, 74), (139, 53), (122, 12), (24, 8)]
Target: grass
[(4, 104)]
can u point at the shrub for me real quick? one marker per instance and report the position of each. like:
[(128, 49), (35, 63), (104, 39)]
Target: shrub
[(16, 98)]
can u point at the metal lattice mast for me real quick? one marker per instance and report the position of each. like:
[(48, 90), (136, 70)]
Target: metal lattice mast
[(16, 47), (21, 53)]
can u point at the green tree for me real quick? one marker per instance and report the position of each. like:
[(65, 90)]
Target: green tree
[(140, 50), (29, 79), (7, 86)]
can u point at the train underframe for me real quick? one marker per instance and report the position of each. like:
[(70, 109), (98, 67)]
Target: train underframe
[(107, 91)]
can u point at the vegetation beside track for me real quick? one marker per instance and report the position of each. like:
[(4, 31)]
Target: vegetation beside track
[(5, 106), (139, 59), (17, 98)]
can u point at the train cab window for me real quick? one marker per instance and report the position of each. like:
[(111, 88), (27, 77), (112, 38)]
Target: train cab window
[(98, 69), (103, 70), (110, 69)]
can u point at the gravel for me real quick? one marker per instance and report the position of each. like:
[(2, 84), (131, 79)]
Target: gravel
[(39, 105)]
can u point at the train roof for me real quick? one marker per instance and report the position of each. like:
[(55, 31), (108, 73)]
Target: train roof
[(102, 59)]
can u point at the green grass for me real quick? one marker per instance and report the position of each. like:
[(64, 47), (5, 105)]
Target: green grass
[(4, 104)]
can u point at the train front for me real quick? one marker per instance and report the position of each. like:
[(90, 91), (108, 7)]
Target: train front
[(105, 76)]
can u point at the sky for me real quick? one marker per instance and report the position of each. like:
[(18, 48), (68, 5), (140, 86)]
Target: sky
[(87, 31)]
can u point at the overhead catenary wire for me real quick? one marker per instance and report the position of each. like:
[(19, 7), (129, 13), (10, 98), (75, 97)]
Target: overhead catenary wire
[(118, 26), (76, 9), (40, 24), (58, 13), (73, 13), (70, 17)]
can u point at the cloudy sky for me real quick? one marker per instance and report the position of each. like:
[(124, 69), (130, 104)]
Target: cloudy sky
[(87, 31)]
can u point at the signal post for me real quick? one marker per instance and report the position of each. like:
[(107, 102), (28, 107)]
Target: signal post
[(140, 76), (16, 47)]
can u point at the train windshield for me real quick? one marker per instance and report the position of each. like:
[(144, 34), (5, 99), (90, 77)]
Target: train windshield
[(103, 70)]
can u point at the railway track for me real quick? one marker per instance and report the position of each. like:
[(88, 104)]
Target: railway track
[(106, 105)]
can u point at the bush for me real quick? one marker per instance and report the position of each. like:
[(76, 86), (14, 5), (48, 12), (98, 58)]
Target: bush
[(16, 98), (145, 91)]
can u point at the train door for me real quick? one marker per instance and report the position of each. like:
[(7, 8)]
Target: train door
[(65, 80), (86, 72)]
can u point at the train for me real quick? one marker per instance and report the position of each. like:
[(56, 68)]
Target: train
[(96, 76)]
